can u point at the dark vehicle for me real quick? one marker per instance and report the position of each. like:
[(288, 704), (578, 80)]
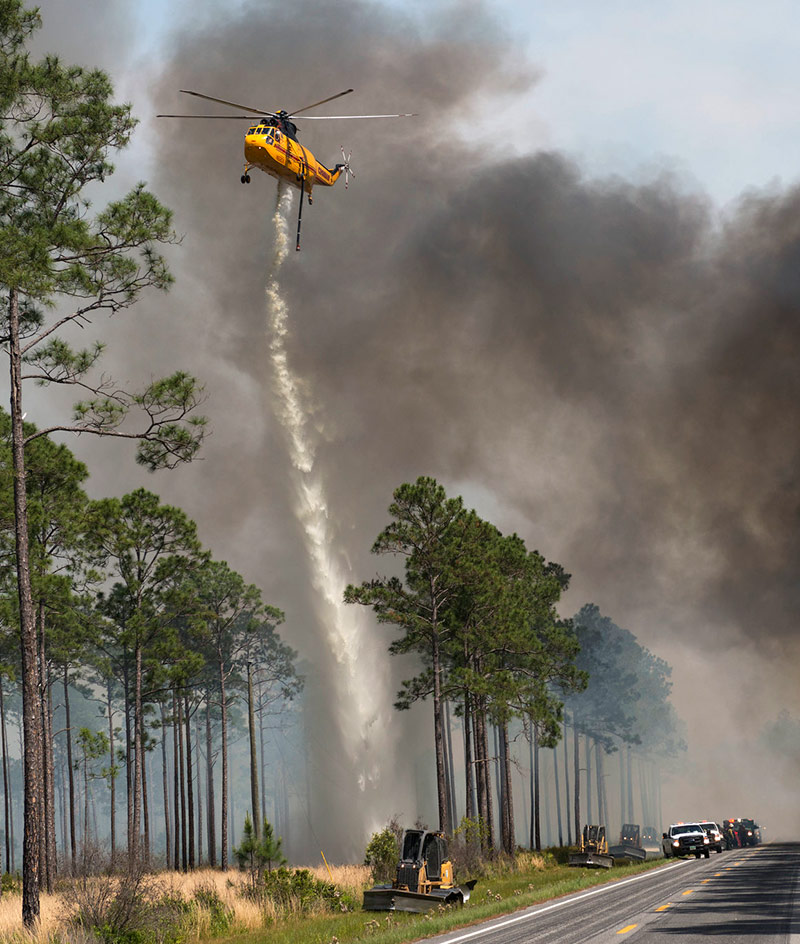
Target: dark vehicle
[(714, 833), (630, 845), (749, 832), (424, 878), (683, 839), (651, 842)]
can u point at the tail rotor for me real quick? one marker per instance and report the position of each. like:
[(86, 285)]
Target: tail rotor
[(346, 169)]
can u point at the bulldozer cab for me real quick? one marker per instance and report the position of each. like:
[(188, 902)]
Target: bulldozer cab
[(594, 839), (412, 845), (434, 852), (630, 834)]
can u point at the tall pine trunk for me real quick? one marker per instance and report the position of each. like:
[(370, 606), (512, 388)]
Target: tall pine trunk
[(176, 787), (508, 792), (112, 769), (558, 797), (165, 786), (189, 785), (438, 733), (134, 848), (31, 715), (577, 776), (212, 826), (47, 845), (224, 775), (537, 819), (182, 780), (567, 794), (6, 795), (255, 806), (469, 773)]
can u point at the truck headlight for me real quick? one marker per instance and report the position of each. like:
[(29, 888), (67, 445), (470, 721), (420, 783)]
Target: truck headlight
[(706, 840), (676, 842)]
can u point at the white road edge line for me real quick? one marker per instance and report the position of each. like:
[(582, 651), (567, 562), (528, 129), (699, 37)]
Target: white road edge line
[(526, 916), (794, 936)]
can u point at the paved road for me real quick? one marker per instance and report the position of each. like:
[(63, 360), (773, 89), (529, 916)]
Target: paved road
[(745, 896)]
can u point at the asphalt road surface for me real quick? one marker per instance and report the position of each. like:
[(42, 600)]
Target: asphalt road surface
[(745, 895)]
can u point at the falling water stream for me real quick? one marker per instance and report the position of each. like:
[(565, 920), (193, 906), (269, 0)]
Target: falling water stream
[(357, 681)]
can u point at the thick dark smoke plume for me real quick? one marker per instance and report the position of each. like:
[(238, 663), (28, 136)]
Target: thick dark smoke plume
[(608, 365)]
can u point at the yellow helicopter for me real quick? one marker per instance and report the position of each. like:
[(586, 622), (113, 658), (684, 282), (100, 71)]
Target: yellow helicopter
[(271, 145)]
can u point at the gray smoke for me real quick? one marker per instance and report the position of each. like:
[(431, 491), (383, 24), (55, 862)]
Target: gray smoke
[(608, 367)]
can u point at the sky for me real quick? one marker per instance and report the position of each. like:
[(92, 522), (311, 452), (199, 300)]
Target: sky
[(567, 290)]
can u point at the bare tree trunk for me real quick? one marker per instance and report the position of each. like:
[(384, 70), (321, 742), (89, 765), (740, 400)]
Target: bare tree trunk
[(31, 715), (508, 793), (135, 844), (128, 750), (438, 734), (176, 785), (182, 779), (112, 769), (6, 794), (598, 766), (212, 826), (469, 774), (165, 785), (577, 772), (263, 764), (145, 807), (198, 741), (536, 805), (630, 787), (558, 797), (587, 751), (451, 780), (189, 785), (567, 794), (47, 844), (224, 777), (251, 728)]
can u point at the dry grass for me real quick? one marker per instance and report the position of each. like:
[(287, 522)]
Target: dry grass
[(248, 915), (51, 913)]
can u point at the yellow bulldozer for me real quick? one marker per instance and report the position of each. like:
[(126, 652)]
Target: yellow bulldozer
[(424, 877), (594, 850)]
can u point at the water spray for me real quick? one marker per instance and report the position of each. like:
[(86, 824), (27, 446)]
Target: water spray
[(344, 628)]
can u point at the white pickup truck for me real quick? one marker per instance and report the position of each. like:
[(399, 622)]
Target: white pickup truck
[(683, 839)]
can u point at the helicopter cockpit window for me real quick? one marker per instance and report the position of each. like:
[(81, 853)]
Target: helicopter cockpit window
[(252, 130)]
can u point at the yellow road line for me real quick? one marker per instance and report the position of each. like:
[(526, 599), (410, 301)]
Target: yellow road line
[(664, 907), (705, 881), (628, 927), (717, 874), (688, 891)]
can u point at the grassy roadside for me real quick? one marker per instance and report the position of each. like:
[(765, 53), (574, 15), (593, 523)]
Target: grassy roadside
[(491, 898)]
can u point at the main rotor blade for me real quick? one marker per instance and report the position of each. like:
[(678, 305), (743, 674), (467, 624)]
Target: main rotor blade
[(222, 117), (339, 117), (222, 101), (322, 102)]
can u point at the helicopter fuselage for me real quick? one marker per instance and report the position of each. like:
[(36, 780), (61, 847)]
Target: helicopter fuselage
[(271, 149)]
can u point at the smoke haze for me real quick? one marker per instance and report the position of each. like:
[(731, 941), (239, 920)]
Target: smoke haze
[(606, 366)]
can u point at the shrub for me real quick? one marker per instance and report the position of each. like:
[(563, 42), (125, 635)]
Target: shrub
[(383, 852), (220, 916), (297, 890), (130, 908)]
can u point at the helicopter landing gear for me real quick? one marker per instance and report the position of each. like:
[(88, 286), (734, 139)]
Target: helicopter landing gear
[(245, 178)]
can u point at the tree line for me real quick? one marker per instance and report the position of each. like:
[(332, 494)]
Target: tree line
[(479, 610), (130, 606)]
